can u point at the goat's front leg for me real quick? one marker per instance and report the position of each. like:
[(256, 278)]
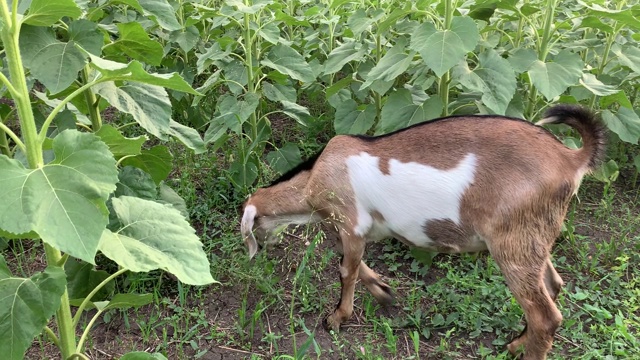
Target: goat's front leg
[(353, 249)]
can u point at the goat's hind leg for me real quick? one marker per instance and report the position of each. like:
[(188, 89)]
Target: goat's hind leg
[(381, 291), (527, 279), (553, 282)]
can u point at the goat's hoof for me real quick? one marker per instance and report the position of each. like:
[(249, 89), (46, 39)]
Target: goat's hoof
[(332, 322), (516, 347), (385, 296)]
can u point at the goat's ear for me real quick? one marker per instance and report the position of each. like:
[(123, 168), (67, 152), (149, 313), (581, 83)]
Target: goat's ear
[(246, 228)]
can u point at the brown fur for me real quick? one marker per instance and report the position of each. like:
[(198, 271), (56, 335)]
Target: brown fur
[(515, 206)]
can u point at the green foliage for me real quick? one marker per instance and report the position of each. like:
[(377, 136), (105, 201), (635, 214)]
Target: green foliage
[(26, 305), (154, 236), (63, 201), (69, 187)]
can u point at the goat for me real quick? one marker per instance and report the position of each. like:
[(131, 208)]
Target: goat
[(456, 184)]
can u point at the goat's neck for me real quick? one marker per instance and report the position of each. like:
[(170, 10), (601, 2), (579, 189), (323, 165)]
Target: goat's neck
[(284, 198)]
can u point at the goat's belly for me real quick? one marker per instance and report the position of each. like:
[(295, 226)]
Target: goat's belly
[(441, 235)]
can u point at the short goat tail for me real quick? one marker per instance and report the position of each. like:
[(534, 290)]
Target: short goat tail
[(591, 129)]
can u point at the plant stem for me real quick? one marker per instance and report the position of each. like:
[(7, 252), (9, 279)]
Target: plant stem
[(86, 331), (519, 33), (9, 36), (4, 144), (443, 82), (61, 105), (67, 343), (543, 51), (547, 33), (6, 131), (88, 298), (248, 48), (92, 102), (377, 98), (52, 336)]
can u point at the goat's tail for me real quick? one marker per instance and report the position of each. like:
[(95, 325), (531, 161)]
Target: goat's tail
[(591, 129)]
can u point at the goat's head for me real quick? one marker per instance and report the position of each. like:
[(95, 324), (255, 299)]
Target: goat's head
[(257, 229)]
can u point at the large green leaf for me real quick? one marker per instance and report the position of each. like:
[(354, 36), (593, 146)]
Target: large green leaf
[(156, 161), (627, 16), (393, 64), (48, 12), (26, 305), (188, 136), (155, 236), (135, 42), (212, 54), (148, 104), (230, 115), (625, 123), (82, 278), (243, 174), (493, 78), (52, 62), (597, 87), (134, 71), (118, 144), (284, 158), (86, 34), (161, 12), (278, 92), (351, 119), (136, 182), (553, 78), (186, 38), (630, 57), (400, 111), (63, 201), (522, 59), (167, 195), (286, 60), (297, 112), (441, 50), (340, 56), (358, 22)]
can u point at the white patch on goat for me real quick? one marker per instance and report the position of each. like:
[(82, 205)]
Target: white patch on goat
[(409, 196)]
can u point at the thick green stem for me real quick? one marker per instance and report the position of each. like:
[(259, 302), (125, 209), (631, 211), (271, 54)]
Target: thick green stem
[(248, 48), (67, 341), (547, 33), (443, 84), (377, 97), (92, 102), (543, 51), (519, 32), (9, 35)]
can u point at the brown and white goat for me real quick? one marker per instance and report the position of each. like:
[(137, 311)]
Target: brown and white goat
[(459, 184)]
